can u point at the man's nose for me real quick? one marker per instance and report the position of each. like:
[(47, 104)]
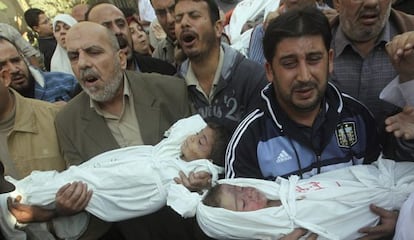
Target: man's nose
[(82, 60), (304, 72)]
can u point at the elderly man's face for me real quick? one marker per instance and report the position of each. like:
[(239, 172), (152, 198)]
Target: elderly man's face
[(97, 64), (12, 62), (363, 20), (112, 18)]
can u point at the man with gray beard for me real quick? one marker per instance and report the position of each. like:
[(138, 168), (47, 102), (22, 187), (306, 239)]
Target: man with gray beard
[(117, 108)]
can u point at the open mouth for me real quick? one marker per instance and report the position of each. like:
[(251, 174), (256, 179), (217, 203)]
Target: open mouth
[(369, 17), (188, 38), (89, 77), (18, 78)]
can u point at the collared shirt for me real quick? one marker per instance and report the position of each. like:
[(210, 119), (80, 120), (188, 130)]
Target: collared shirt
[(32, 142), (191, 79), (124, 128), (165, 50), (364, 77)]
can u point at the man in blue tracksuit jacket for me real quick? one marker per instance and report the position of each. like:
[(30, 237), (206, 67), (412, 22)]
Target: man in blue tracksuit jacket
[(304, 125)]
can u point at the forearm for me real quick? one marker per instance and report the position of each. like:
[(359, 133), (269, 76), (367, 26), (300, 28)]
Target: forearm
[(43, 215), (30, 214)]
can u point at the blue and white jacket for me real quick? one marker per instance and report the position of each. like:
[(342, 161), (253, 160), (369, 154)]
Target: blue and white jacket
[(267, 144), (53, 86)]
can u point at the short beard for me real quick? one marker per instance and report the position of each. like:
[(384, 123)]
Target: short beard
[(110, 90)]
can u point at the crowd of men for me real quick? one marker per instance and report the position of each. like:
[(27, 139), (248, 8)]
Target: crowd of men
[(312, 107)]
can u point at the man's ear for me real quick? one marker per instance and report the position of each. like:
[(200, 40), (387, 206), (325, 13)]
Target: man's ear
[(122, 59), (35, 28), (219, 28), (269, 72), (331, 60)]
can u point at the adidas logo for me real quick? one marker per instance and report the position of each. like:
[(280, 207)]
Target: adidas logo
[(283, 157)]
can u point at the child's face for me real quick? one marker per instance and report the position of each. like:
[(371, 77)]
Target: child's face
[(241, 198), (198, 146)]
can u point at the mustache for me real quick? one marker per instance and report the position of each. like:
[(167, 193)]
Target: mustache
[(121, 41), (88, 73), (304, 85), (369, 12), (16, 75)]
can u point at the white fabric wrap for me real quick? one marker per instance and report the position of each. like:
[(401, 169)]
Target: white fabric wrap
[(126, 182), (333, 205), (244, 11), (404, 229)]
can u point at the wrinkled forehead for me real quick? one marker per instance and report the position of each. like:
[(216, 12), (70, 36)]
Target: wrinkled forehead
[(184, 6), (83, 36)]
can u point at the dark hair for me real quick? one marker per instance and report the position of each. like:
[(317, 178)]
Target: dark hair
[(221, 139), (212, 7), (128, 11), (212, 197), (306, 21), (31, 16)]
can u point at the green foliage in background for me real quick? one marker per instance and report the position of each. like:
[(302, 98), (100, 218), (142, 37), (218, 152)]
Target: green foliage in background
[(53, 7)]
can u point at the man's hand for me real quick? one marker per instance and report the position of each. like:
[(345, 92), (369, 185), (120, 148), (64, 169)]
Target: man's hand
[(386, 226), (402, 124), (401, 53), (298, 233), (72, 198), (195, 181), (27, 213)]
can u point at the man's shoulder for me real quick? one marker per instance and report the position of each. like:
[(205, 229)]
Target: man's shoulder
[(37, 106), (148, 64), (403, 21), (74, 107), (156, 84), (354, 106), (137, 78), (240, 62)]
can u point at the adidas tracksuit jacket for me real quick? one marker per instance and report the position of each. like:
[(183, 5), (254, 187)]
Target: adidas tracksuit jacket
[(267, 144)]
